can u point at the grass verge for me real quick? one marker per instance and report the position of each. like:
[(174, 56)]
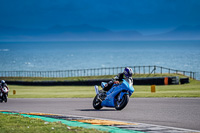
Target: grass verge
[(191, 89), (19, 124)]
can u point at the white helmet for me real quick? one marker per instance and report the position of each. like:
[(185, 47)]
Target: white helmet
[(3, 82)]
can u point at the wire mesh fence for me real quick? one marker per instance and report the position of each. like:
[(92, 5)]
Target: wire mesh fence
[(97, 72)]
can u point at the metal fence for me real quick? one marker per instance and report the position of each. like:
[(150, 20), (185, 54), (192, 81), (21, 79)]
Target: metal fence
[(96, 72)]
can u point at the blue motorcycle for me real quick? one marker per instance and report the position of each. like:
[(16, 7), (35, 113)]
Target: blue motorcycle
[(117, 96)]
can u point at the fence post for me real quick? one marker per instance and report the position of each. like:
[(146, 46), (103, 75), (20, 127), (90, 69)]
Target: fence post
[(139, 69), (183, 72), (194, 75), (134, 70), (87, 72), (149, 69)]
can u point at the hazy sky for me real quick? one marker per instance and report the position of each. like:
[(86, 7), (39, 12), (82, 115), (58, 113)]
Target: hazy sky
[(146, 16)]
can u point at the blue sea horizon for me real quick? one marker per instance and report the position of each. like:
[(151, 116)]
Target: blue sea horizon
[(52, 56)]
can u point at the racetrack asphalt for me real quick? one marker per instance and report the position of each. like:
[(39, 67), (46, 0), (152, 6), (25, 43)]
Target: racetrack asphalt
[(173, 112)]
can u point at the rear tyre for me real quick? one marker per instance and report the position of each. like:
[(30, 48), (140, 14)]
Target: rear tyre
[(97, 103), (119, 105)]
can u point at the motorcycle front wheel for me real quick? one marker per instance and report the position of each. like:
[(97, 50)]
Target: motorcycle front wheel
[(97, 103), (120, 104), (5, 98)]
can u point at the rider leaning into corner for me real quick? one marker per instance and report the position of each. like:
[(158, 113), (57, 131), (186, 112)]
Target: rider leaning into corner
[(127, 74), (2, 85)]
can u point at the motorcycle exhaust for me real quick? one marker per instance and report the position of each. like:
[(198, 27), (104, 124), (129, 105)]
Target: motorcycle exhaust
[(96, 89)]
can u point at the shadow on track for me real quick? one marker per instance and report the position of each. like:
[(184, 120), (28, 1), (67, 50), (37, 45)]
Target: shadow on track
[(96, 110)]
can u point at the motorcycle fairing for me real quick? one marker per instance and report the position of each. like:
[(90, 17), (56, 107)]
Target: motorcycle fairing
[(123, 88), (129, 86)]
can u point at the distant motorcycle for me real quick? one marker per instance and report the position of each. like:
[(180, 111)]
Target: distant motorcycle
[(117, 96), (4, 94)]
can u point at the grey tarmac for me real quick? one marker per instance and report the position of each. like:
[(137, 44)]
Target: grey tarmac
[(170, 112)]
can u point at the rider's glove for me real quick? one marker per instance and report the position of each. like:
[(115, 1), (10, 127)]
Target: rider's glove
[(116, 77), (116, 82)]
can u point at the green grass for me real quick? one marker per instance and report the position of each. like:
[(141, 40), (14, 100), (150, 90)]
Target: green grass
[(168, 91), (19, 124), (186, 90), (51, 91)]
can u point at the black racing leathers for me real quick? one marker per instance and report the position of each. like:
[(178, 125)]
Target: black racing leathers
[(119, 78)]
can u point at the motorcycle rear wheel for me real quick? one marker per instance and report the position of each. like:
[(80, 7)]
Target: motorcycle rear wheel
[(119, 105), (97, 103)]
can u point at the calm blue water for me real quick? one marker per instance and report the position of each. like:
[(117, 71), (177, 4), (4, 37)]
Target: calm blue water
[(37, 56)]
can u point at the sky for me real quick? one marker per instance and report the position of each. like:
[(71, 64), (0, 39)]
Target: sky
[(145, 16)]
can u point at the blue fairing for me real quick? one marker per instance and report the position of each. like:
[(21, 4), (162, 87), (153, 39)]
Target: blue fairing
[(124, 88)]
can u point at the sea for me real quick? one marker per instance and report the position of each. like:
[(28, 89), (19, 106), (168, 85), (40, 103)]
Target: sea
[(72, 55)]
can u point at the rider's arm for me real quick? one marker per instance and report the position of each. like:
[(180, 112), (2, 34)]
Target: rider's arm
[(120, 76), (7, 87)]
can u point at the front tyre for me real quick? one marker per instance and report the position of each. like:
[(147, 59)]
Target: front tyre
[(4, 97), (97, 103), (120, 104)]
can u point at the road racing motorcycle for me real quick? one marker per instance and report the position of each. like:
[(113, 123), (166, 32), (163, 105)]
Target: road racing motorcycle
[(117, 97), (4, 94)]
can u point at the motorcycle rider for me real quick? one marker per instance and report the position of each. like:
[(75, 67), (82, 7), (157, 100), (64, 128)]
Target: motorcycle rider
[(2, 85), (127, 74)]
